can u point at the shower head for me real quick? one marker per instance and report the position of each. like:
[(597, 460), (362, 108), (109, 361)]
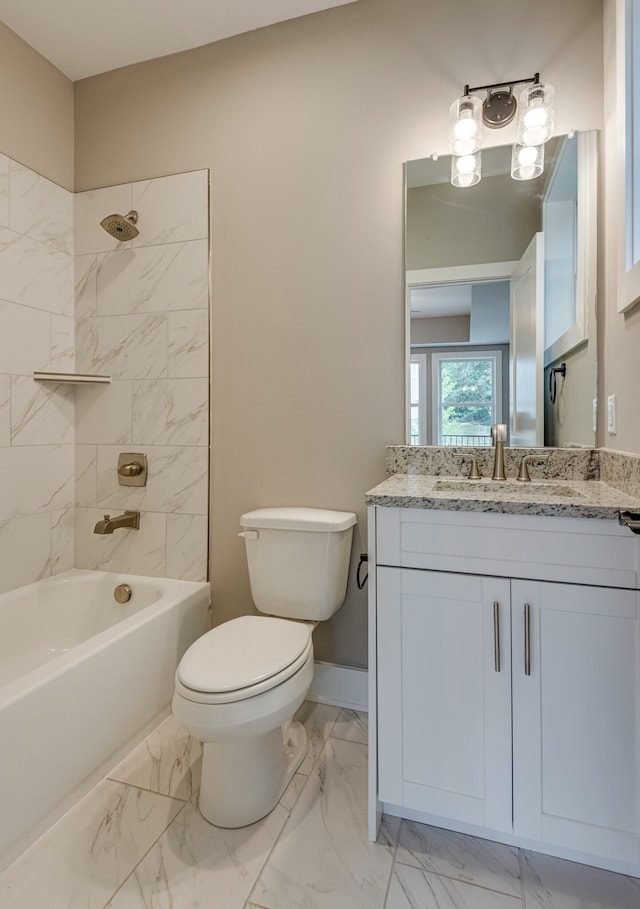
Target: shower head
[(121, 227)]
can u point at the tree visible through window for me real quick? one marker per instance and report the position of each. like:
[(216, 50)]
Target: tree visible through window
[(467, 387)]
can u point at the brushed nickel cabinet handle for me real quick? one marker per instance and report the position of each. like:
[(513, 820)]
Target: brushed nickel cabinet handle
[(527, 639), (496, 636)]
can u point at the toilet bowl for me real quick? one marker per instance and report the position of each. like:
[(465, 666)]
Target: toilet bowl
[(239, 685)]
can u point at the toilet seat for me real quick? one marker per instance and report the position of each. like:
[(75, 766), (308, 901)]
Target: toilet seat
[(243, 658)]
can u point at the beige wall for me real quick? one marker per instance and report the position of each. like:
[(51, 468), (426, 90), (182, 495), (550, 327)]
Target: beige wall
[(36, 111), (305, 127), (440, 330), (570, 420), (495, 226)]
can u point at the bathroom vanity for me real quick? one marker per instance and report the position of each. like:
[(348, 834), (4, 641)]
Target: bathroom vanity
[(505, 663)]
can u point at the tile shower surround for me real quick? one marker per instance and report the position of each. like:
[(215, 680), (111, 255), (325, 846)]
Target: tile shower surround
[(138, 311), (137, 841), (36, 332)]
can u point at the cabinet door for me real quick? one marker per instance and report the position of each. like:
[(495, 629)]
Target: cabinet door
[(575, 717), (444, 695)]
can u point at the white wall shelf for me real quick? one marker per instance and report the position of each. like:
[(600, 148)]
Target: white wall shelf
[(71, 378)]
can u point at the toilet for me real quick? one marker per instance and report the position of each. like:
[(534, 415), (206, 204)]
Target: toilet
[(239, 685)]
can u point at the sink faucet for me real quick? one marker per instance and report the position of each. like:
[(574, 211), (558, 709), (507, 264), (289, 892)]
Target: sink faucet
[(499, 433), (523, 476), (109, 524), (474, 470)]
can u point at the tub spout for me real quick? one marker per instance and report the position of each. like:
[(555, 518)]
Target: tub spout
[(109, 524)]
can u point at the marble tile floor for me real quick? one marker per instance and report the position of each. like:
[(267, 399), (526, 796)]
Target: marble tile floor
[(137, 841)]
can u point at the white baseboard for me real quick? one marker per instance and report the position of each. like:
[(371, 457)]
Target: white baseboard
[(340, 686)]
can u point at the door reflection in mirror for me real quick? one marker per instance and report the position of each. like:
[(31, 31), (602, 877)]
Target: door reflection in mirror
[(506, 265)]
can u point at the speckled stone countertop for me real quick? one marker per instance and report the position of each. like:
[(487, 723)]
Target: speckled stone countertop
[(572, 499), (571, 483)]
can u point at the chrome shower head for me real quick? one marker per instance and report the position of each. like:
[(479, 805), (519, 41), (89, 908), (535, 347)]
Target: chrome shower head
[(121, 227)]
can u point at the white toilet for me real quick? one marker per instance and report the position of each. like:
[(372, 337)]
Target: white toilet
[(238, 686)]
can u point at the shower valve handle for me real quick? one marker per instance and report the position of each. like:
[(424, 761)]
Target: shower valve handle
[(130, 470)]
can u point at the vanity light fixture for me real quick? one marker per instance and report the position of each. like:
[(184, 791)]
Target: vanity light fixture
[(534, 127)]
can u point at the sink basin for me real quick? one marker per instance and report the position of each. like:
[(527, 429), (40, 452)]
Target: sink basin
[(528, 490)]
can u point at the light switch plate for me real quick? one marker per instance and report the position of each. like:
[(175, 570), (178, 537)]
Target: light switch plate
[(612, 415)]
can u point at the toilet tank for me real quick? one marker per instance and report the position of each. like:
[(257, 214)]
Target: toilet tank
[(298, 560)]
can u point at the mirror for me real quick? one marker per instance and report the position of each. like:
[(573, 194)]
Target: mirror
[(500, 288)]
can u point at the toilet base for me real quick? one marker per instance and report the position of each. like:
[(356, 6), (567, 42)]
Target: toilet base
[(243, 779)]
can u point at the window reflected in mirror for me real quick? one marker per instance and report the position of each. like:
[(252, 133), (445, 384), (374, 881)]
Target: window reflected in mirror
[(500, 285)]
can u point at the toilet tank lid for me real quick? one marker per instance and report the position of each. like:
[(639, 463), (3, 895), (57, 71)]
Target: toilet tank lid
[(314, 519)]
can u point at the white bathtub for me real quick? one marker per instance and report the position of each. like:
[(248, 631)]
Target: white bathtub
[(81, 676)]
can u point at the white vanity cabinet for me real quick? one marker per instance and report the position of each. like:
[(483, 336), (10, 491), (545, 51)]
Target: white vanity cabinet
[(506, 678), (444, 737), (575, 717)]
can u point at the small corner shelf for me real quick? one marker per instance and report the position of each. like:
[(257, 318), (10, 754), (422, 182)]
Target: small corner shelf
[(71, 378)]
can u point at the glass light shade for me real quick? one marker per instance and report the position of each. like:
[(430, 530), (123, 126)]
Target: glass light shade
[(527, 161), (465, 125), (465, 170), (535, 115)]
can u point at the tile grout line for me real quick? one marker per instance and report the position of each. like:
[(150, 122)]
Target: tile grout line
[(247, 902), (393, 863), (522, 887), (176, 798), (441, 874), (307, 776), (152, 846), (458, 880)]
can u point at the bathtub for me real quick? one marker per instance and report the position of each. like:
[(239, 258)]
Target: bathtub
[(81, 676)]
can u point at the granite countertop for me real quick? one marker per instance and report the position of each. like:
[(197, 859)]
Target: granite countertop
[(566, 498)]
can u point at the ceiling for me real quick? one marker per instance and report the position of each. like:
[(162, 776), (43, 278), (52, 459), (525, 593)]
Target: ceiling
[(86, 37), (441, 301)]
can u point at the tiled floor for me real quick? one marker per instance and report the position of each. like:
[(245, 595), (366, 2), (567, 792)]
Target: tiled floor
[(137, 841)]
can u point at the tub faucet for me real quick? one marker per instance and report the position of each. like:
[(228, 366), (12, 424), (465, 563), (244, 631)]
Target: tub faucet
[(109, 524)]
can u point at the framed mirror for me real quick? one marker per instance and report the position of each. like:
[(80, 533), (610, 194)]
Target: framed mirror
[(500, 289)]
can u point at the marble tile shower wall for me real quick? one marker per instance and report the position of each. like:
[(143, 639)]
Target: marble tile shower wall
[(36, 333), (142, 317)]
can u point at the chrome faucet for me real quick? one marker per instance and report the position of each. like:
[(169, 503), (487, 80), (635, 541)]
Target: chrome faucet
[(109, 524), (499, 433)]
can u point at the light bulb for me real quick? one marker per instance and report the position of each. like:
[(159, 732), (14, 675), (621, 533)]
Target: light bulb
[(527, 161), (535, 118), (465, 170), (464, 147), (466, 164), (535, 136), (465, 125), (527, 155)]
